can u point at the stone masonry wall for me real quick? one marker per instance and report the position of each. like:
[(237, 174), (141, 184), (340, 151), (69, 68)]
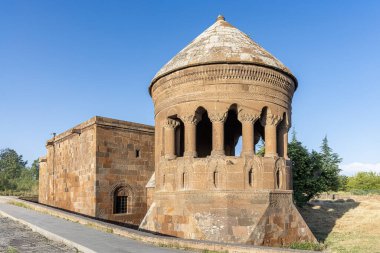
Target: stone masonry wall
[(68, 177), (124, 158)]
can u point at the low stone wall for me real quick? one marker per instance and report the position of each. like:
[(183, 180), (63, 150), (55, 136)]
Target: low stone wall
[(158, 240)]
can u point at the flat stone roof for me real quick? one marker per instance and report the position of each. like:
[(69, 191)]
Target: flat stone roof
[(103, 122)]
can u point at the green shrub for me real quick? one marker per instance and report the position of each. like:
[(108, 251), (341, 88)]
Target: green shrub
[(366, 181)]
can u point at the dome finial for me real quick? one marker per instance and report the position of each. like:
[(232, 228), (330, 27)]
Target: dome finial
[(220, 17)]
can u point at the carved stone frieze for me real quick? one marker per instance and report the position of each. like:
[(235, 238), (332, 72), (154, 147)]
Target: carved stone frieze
[(223, 72)]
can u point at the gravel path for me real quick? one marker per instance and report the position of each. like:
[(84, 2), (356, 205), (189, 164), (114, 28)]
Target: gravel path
[(16, 237)]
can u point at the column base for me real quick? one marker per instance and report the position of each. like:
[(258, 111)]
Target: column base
[(170, 157), (190, 154), (271, 155), (247, 153), (217, 153)]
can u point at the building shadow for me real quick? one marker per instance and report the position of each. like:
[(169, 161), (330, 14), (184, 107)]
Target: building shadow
[(321, 215)]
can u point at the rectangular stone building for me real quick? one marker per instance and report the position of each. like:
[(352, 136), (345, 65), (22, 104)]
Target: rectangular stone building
[(99, 168)]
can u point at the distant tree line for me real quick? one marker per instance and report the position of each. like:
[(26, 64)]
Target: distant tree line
[(15, 175), (361, 183)]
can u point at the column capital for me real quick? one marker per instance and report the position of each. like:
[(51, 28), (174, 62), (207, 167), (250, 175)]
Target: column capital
[(190, 118), (248, 117), (271, 120), (218, 117), (171, 123), (284, 126)]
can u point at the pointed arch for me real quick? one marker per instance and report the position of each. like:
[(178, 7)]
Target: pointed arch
[(232, 131)]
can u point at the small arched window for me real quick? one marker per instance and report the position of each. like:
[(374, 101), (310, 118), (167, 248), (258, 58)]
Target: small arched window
[(121, 199), (250, 177)]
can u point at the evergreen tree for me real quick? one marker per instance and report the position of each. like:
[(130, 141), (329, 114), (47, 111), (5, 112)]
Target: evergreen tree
[(305, 167), (330, 167), (313, 173)]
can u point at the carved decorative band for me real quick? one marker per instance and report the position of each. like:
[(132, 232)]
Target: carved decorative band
[(280, 200), (226, 72)]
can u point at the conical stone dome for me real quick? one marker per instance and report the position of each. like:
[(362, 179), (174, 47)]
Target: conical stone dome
[(222, 43)]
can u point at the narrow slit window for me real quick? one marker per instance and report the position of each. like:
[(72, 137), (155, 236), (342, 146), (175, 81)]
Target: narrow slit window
[(250, 177), (278, 179), (137, 153), (183, 180), (215, 177)]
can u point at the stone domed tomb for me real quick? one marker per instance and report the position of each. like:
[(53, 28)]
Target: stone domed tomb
[(222, 87)]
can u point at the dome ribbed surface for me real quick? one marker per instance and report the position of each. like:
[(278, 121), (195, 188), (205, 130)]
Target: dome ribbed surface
[(221, 43)]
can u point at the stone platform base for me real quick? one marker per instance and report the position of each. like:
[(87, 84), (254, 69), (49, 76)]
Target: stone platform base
[(258, 218)]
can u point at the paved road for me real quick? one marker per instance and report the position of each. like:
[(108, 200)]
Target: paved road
[(95, 240)]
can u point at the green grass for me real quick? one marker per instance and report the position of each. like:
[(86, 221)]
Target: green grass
[(19, 193), (307, 246), (19, 204), (10, 249)]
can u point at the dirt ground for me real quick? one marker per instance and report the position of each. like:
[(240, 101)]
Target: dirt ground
[(349, 224), (15, 237)]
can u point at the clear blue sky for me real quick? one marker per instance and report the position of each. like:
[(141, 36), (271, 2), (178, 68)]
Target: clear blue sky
[(62, 62)]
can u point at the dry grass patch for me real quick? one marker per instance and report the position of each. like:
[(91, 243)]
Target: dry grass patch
[(346, 225)]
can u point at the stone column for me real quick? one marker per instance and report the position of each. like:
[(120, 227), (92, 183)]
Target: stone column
[(170, 125), (190, 122), (218, 119), (248, 120), (270, 122), (283, 140)]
